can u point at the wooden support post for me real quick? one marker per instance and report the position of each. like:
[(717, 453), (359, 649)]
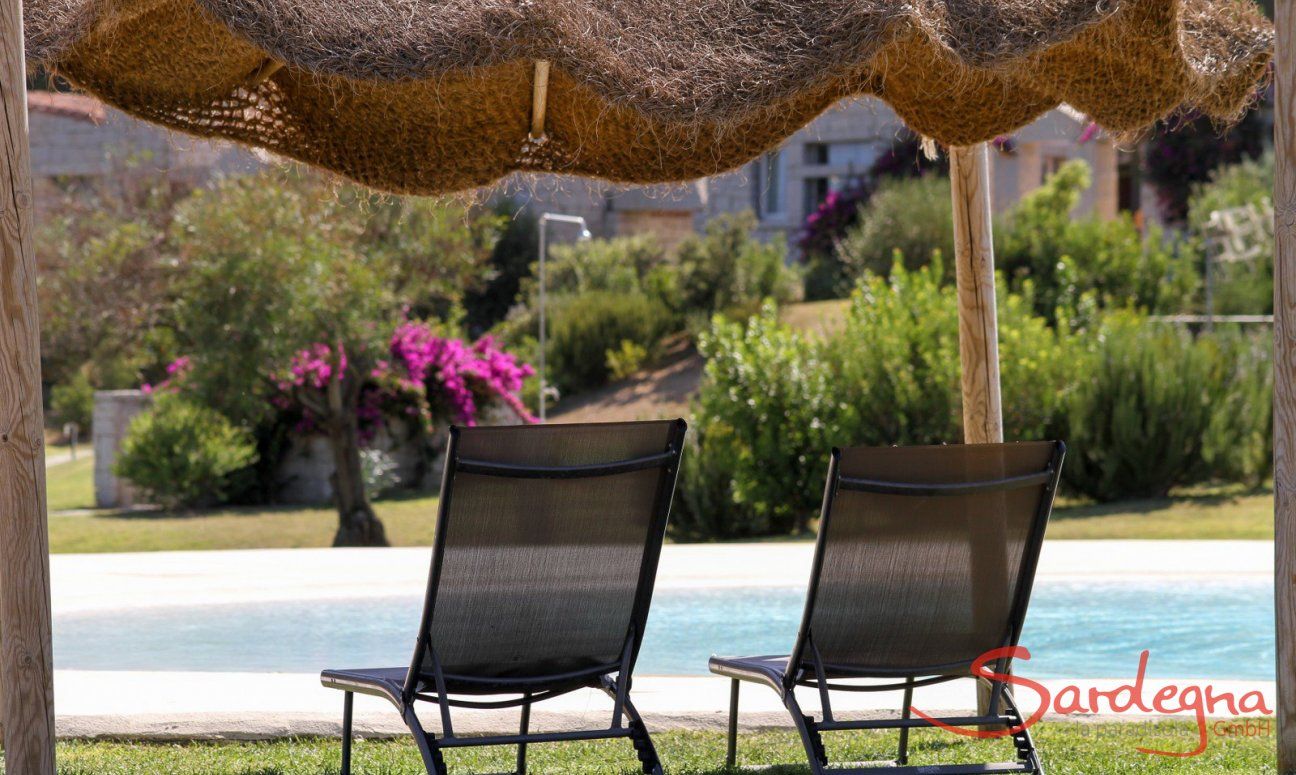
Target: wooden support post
[(974, 268), (1284, 421), (978, 343), (26, 658)]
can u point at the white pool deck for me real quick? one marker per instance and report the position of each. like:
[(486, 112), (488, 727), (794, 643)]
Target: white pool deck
[(183, 705)]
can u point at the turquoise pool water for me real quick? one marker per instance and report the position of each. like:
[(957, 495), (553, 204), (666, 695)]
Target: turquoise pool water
[(1075, 630)]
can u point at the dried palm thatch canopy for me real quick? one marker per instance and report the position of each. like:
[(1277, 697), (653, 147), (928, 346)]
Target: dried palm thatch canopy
[(428, 96)]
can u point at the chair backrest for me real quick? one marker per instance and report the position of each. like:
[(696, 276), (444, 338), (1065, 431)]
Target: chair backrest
[(926, 556), (546, 550)]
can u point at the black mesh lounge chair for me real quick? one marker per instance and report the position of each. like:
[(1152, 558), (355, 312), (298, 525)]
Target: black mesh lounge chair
[(925, 561), (546, 552)]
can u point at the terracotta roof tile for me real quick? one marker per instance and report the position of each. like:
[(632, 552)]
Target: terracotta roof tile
[(80, 107)]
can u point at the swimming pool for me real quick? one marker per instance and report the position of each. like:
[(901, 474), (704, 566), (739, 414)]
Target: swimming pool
[(1089, 629)]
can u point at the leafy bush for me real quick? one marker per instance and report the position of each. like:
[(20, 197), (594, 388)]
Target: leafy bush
[(912, 217), (1067, 257), (620, 265), (611, 301), (73, 401), (831, 273), (1244, 183), (727, 270), (182, 453), (1142, 408), (584, 328), (774, 401), (271, 269), (510, 263), (825, 277), (627, 359), (1239, 287), (761, 432), (897, 363), (1237, 445), (106, 276)]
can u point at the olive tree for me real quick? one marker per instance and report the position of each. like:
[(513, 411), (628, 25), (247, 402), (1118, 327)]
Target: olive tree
[(290, 288)]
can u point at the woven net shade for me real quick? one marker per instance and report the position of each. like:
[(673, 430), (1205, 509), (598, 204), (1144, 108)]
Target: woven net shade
[(431, 96)]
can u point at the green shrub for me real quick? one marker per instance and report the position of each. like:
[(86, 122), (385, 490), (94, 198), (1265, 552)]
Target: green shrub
[(73, 401), (625, 265), (773, 401), (727, 270), (182, 453), (1245, 183), (511, 262), (1143, 407), (613, 300), (627, 359), (1066, 257), (1243, 287), (1145, 398), (618, 265), (761, 432), (1239, 287), (584, 328), (824, 276), (913, 217), (897, 363), (1237, 445)]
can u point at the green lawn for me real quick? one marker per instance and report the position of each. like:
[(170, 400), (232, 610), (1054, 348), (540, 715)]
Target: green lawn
[(1199, 513), (409, 522), (1195, 514), (71, 485), (1067, 748)]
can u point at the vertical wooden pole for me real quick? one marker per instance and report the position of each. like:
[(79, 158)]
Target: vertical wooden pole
[(1284, 421), (26, 658), (978, 344), (974, 266)]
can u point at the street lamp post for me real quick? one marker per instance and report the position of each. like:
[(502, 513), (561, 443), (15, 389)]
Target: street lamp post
[(544, 250)]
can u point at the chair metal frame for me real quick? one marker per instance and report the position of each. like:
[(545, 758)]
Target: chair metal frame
[(613, 678), (1003, 712)]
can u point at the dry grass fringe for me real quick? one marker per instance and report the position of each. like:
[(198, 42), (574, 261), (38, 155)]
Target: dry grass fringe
[(431, 96)]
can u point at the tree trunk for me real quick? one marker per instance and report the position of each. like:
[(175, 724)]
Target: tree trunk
[(357, 523)]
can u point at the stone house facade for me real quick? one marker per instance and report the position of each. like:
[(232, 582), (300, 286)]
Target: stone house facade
[(75, 139), (785, 185)]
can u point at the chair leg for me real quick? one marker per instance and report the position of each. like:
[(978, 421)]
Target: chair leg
[(433, 762), (814, 748), (524, 728), (731, 754), (905, 713), (1026, 751), (348, 701), (643, 743)]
